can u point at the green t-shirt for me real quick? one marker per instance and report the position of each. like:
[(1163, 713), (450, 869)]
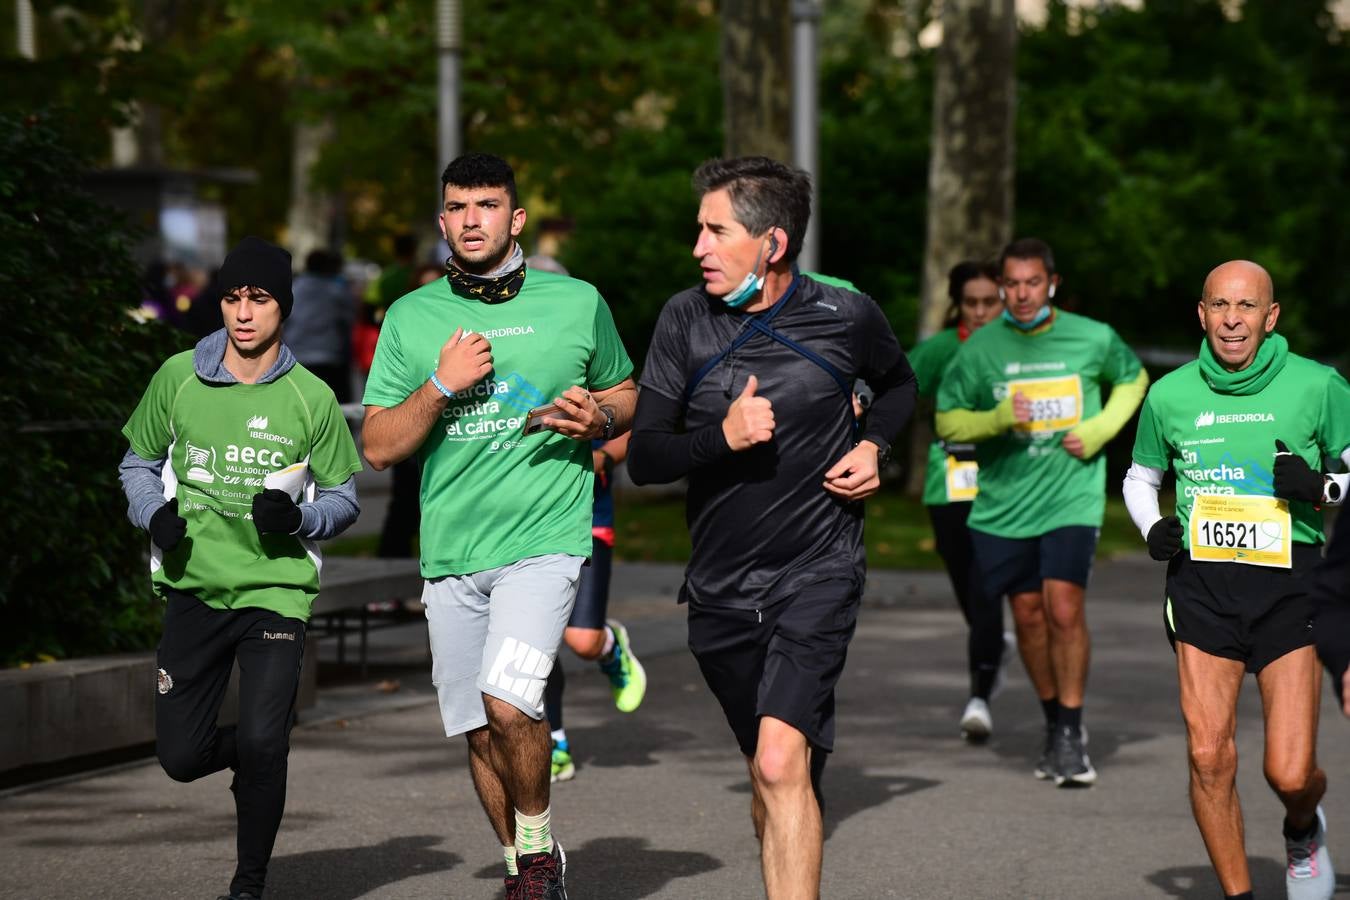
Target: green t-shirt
[(222, 445), (492, 495), (1029, 484), (833, 282), (1224, 444), (951, 470)]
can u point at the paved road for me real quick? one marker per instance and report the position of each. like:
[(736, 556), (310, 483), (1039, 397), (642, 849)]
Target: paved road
[(381, 807)]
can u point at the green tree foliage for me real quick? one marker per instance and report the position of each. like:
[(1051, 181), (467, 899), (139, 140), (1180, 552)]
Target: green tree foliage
[(1154, 144), (603, 108), (73, 574)]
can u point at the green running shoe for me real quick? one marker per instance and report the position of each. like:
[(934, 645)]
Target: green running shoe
[(563, 767), (627, 678)]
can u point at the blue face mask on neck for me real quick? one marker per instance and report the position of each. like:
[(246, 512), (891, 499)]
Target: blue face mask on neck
[(750, 285), (1039, 319)]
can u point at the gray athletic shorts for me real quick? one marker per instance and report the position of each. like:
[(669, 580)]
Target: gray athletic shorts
[(497, 632)]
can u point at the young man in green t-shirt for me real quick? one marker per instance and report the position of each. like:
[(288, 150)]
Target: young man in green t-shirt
[(1239, 427), (1027, 390), (506, 502), (239, 461)]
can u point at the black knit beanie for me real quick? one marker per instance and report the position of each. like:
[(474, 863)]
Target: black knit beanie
[(255, 263)]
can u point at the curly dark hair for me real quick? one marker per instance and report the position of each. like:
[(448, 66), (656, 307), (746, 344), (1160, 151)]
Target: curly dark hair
[(474, 170)]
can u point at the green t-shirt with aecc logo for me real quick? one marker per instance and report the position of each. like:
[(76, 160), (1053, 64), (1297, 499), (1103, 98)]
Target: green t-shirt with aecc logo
[(930, 360), (1029, 484), (222, 444), (1224, 444), (492, 495)]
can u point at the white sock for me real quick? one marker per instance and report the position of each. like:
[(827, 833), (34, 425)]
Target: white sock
[(532, 833), (559, 736), (609, 643), (509, 854)]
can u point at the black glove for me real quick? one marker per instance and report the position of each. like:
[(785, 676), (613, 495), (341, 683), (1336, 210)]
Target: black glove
[(1294, 478), (1164, 538), (166, 526), (275, 511)]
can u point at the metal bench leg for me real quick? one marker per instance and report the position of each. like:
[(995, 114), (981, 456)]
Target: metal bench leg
[(365, 636), (342, 638)]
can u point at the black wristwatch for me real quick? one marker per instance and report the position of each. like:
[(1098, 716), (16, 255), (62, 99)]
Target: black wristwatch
[(607, 432), (883, 451)]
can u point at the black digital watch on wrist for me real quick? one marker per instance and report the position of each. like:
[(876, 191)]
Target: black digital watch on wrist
[(883, 451)]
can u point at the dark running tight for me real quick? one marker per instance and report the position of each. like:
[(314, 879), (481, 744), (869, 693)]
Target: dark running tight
[(984, 615)]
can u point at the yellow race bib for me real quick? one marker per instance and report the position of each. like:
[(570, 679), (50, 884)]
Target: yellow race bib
[(1254, 531), (1056, 403), (962, 479)]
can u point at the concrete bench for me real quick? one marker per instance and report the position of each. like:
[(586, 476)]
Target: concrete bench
[(78, 707), (350, 585)]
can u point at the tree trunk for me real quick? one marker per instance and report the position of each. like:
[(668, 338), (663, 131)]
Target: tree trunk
[(142, 142), (970, 172), (310, 220), (757, 78)]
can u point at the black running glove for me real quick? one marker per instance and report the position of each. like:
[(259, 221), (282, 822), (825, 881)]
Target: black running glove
[(1164, 538), (275, 511), (1294, 478), (166, 526)]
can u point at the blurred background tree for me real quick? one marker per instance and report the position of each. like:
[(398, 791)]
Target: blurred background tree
[(1152, 142), (72, 575)]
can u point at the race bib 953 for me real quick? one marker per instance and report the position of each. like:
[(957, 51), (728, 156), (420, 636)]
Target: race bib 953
[(1056, 403)]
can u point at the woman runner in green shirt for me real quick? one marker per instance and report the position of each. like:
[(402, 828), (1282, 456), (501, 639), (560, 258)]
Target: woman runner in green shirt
[(950, 485)]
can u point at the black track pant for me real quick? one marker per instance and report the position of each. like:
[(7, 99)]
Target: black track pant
[(196, 654), (984, 615), (403, 519)]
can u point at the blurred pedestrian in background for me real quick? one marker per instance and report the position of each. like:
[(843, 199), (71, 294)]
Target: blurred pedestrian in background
[(319, 331)]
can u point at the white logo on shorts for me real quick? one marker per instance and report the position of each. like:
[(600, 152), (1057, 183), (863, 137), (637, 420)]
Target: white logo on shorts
[(521, 670), (165, 682)]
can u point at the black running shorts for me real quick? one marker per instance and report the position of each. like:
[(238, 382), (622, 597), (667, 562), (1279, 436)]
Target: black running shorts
[(782, 661), (593, 588), (1253, 614), (1019, 565)]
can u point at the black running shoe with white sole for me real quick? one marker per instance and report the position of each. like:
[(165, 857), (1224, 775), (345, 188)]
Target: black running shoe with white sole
[(1072, 766), (1045, 766)]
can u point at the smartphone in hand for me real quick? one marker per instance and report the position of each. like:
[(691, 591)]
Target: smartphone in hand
[(534, 419)]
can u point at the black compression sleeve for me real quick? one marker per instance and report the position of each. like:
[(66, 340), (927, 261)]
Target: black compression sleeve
[(658, 453), (891, 410)]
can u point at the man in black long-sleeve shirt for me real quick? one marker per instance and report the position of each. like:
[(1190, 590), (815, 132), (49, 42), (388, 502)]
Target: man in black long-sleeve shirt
[(748, 392)]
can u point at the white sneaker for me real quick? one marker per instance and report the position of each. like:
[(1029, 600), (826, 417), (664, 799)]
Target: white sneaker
[(976, 722), (1309, 875)]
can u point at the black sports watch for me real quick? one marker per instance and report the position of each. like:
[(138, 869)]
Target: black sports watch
[(607, 432), (883, 451)]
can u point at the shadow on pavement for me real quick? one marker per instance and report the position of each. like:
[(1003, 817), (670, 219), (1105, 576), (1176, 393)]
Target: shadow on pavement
[(621, 742), (350, 872), (621, 868), (205, 828), (1200, 883), (849, 790), (1021, 749)]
